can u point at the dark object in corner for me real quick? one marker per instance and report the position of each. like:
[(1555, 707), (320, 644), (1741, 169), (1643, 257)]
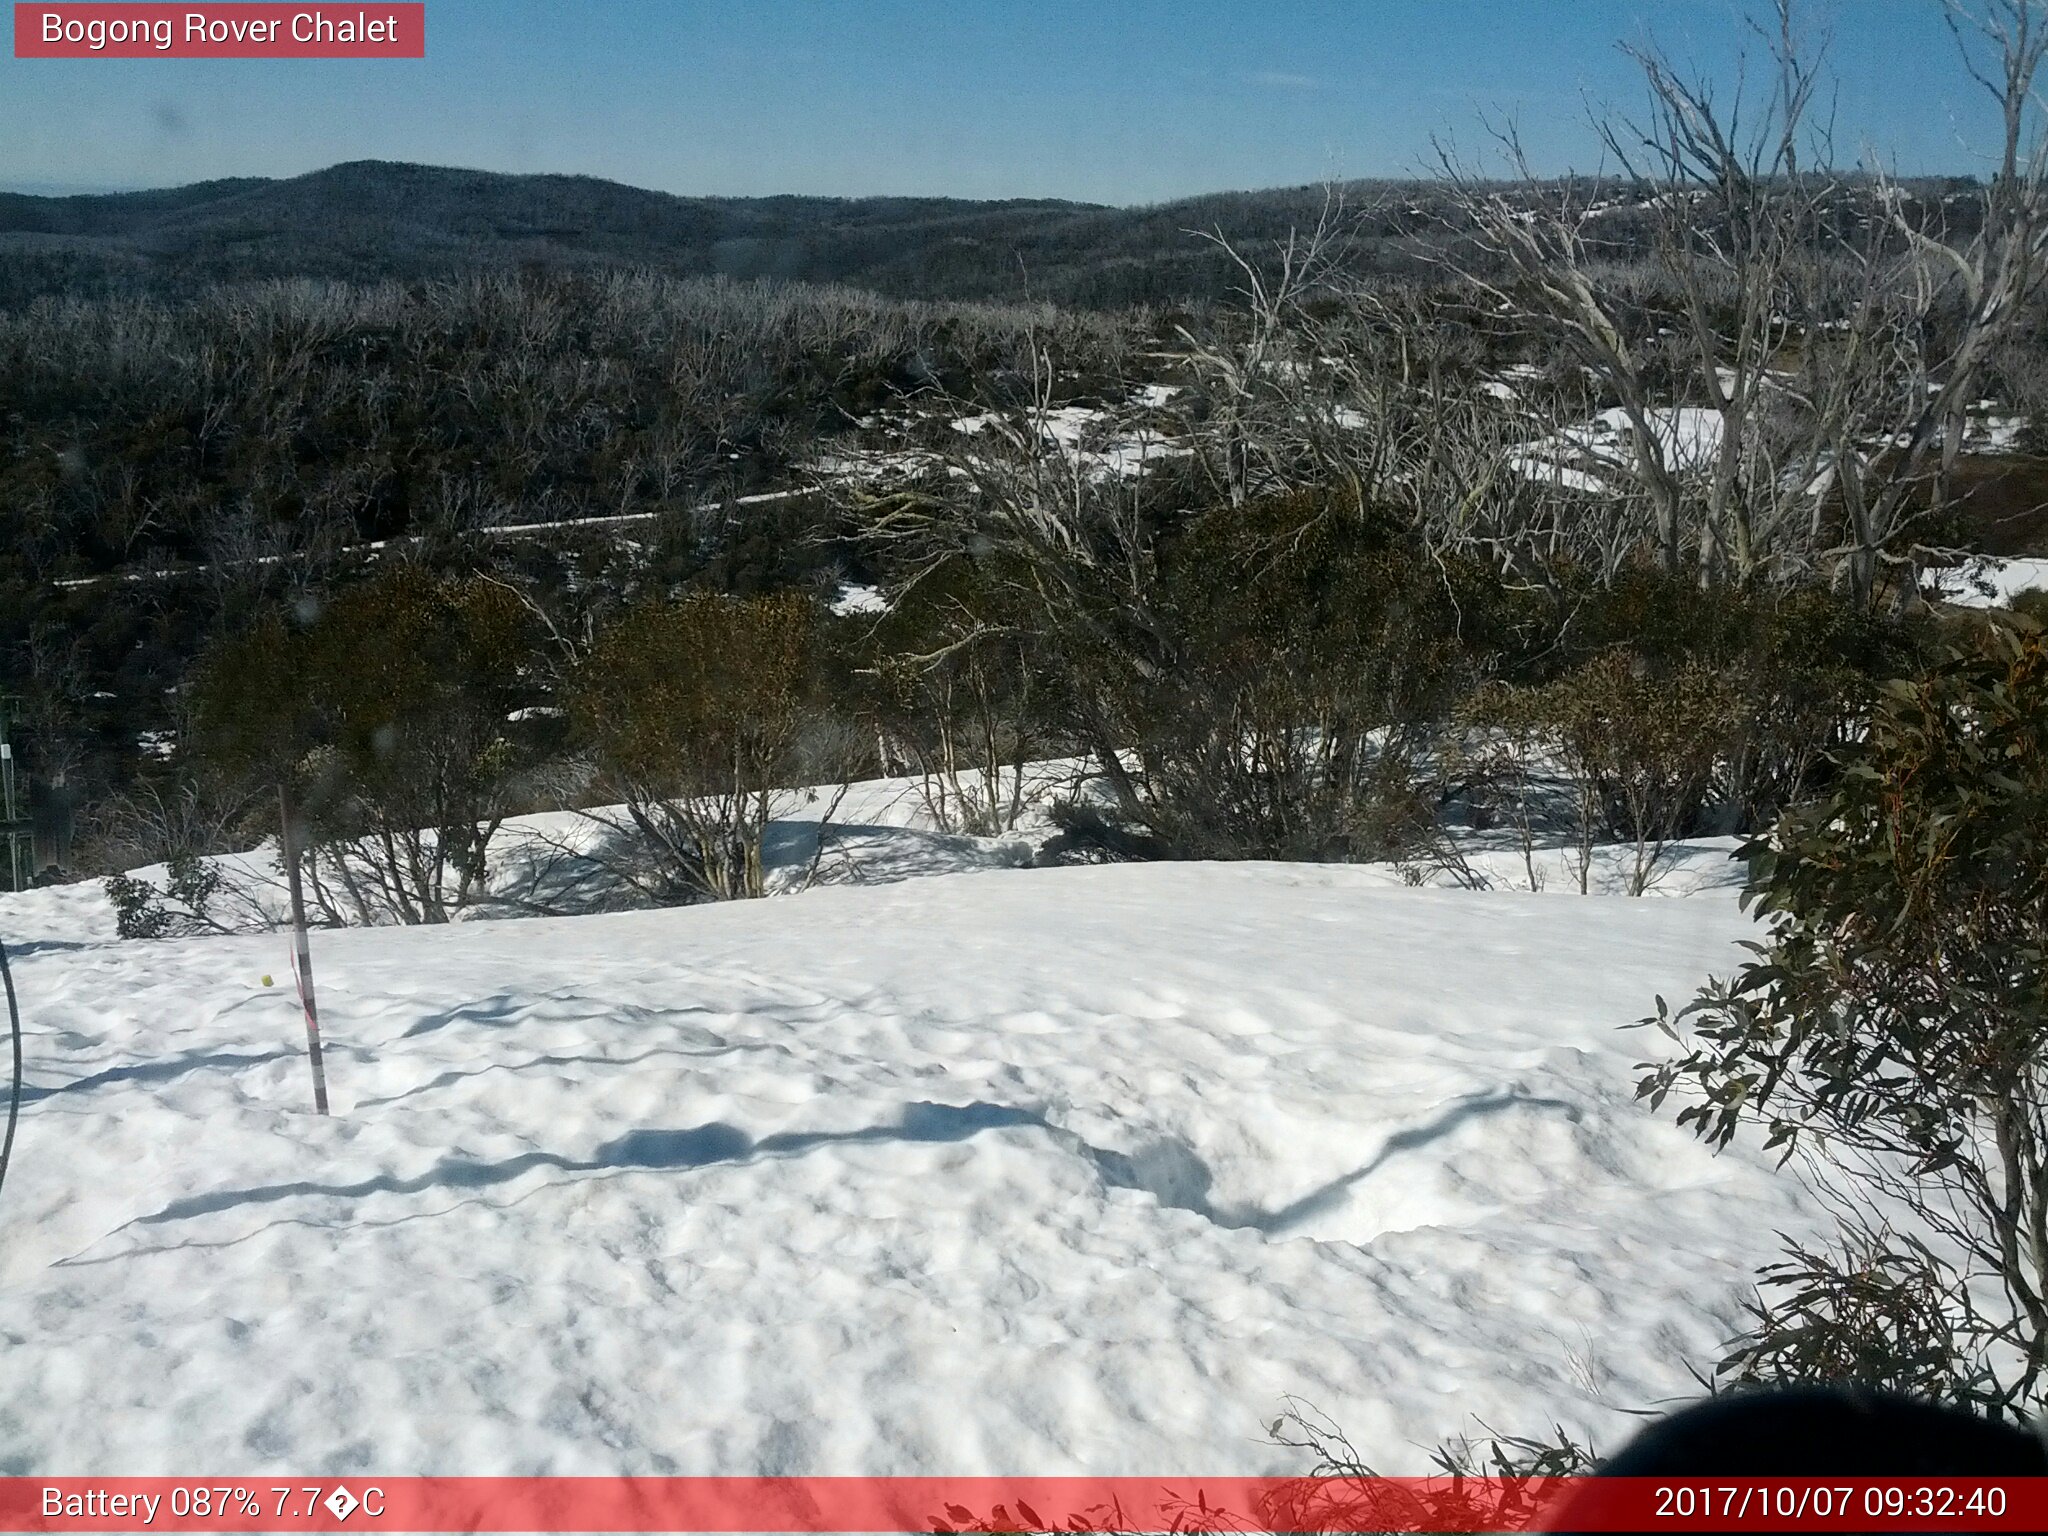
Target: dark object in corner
[(1820, 1432), (1828, 1432)]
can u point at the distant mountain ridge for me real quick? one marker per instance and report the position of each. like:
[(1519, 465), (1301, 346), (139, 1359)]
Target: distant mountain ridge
[(374, 219)]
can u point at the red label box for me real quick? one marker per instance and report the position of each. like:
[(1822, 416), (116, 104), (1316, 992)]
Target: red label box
[(366, 29), (1050, 1506)]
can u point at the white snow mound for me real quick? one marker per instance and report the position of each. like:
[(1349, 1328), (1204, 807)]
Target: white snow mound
[(1072, 1171)]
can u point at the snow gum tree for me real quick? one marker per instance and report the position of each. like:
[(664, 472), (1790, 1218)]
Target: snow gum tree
[(1833, 328), (1895, 1026)]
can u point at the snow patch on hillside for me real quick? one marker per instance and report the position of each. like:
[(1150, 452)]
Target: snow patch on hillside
[(1987, 581), (1596, 455)]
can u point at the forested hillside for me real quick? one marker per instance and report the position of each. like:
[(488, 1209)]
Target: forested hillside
[(372, 220)]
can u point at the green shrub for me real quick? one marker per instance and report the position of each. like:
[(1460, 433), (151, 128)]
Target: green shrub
[(1638, 745), (698, 714), (1803, 664), (387, 718), (182, 905), (948, 680), (1274, 688), (2031, 604), (1896, 1024)]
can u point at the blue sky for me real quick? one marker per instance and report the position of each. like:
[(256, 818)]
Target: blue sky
[(1118, 101)]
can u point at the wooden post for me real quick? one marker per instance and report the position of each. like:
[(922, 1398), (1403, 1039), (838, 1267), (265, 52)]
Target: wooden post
[(302, 956)]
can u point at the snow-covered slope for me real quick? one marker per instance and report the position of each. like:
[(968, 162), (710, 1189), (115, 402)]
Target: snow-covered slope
[(1023, 1172), (1988, 581)]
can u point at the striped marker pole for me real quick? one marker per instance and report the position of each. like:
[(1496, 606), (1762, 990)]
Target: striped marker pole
[(302, 954)]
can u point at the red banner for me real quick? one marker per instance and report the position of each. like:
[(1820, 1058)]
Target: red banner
[(234, 31), (1035, 1504)]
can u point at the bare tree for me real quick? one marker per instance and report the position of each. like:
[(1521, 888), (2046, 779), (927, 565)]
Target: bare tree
[(1061, 539), (1988, 275), (1767, 257)]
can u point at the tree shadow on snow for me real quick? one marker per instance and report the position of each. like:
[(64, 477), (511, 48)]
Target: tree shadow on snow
[(1169, 1170), (166, 1070), (636, 1151)]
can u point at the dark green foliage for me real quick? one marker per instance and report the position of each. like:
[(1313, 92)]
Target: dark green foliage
[(256, 707), (1897, 1019), (1499, 1482), (675, 691), (1878, 1309), (1801, 664), (386, 715), (697, 713), (1924, 863), (2032, 604), (947, 677), (1639, 743), (181, 906), (416, 677), (1674, 710), (1273, 684), (744, 550)]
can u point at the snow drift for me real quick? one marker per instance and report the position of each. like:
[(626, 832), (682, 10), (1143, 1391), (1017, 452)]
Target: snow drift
[(1016, 1172)]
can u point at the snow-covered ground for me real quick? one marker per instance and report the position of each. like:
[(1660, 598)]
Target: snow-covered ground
[(1102, 442), (853, 599), (1987, 581), (1005, 1171), (1594, 455)]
